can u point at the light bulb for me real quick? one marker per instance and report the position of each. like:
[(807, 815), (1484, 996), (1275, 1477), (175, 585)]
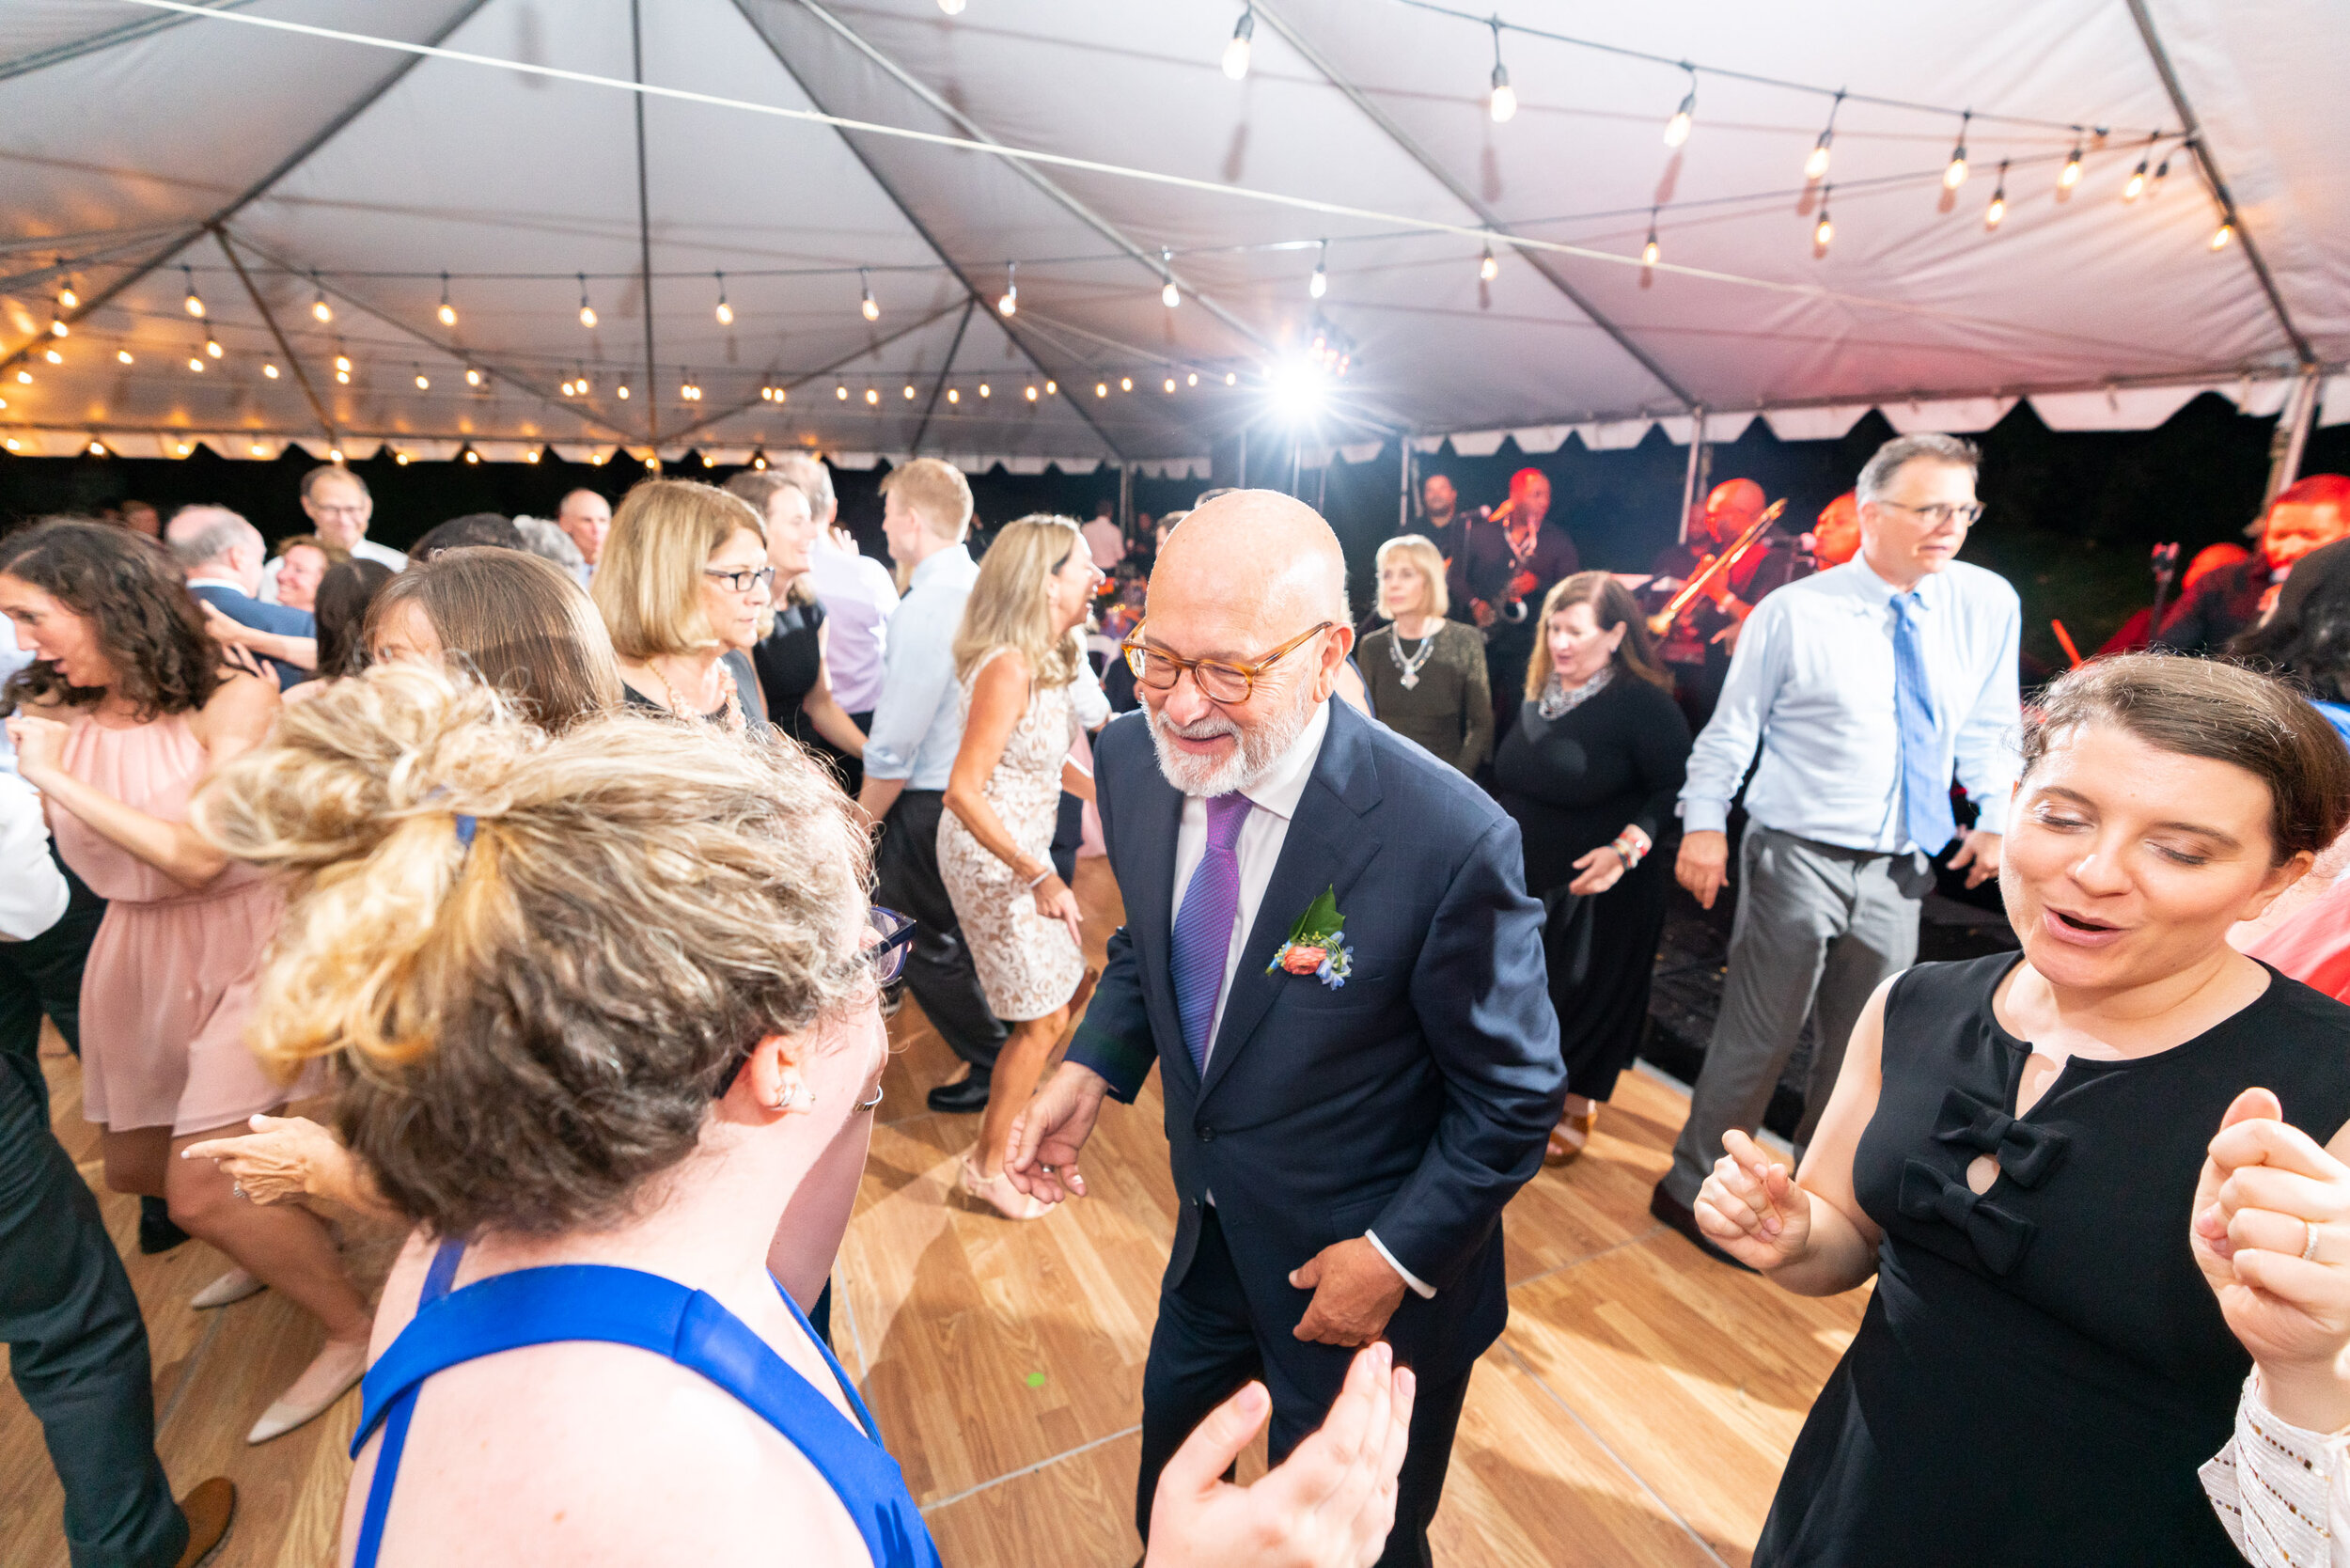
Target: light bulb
[(448, 314), (1192, 380), (322, 311), (841, 393), (985, 390), (26, 377), (726, 314), (194, 304), (1815, 163), (1169, 295), (1320, 283), (401, 458), (586, 314), (1503, 106), (909, 391), (195, 363), (1650, 252), (2135, 186), (1677, 128), (67, 298), (472, 456), (1994, 213), (180, 447), (1101, 389), (1236, 52), (257, 449), (342, 378), (97, 448), (1955, 175), (2070, 173), (342, 362), (1031, 394), (531, 456), (1487, 268), (1823, 231), (473, 377), (952, 7), (212, 348), (1170, 384), (54, 358), (424, 383), (622, 391), (1125, 383), (58, 329), (123, 356), (955, 395), (1231, 377), (1051, 386), (270, 371), (333, 454), (2220, 236), (872, 397), (872, 311)]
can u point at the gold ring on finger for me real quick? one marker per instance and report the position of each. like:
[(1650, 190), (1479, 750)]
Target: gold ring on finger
[(2308, 1245)]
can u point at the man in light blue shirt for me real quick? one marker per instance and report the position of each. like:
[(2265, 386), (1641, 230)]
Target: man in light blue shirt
[(910, 751), (1865, 687)]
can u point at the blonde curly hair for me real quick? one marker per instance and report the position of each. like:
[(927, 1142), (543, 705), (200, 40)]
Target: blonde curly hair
[(536, 959)]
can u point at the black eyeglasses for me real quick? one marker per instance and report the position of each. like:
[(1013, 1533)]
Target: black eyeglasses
[(891, 933), (743, 581)]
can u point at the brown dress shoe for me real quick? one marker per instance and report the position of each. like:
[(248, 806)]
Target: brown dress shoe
[(208, 1506)]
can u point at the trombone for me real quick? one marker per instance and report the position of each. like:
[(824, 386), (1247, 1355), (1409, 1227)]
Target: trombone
[(1714, 567)]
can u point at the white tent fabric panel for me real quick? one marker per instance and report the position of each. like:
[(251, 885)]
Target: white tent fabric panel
[(372, 173)]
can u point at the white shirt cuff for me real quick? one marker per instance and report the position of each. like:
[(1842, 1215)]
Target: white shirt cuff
[(2278, 1489), (1419, 1287)]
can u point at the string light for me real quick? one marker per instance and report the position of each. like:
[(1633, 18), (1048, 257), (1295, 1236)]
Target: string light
[(1824, 230), (472, 456), (2220, 236), (725, 311), (1125, 383), (2162, 172), (1677, 128), (1231, 379), (270, 371), (1192, 380), (952, 7), (1955, 175), (909, 391), (1031, 394), (1169, 295), (473, 377), (1487, 268), (68, 299), (257, 449), (1997, 210), (333, 454), (26, 377), (96, 447), (400, 457), (180, 447), (1051, 386), (195, 363), (447, 311), (2070, 175), (1320, 285), (531, 456), (1236, 52), (193, 303), (320, 312), (424, 383), (1503, 105), (57, 327), (1815, 163), (586, 311), (2135, 185), (1170, 385), (688, 390), (1101, 389), (841, 392), (54, 358), (955, 395), (872, 397), (985, 390), (1008, 304), (1650, 251), (622, 391), (123, 356), (212, 348), (872, 311), (758, 460)]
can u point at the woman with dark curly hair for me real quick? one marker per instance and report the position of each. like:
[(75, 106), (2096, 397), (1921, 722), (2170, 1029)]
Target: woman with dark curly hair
[(123, 714)]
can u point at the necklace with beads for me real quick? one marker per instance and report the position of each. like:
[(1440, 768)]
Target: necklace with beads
[(1410, 666)]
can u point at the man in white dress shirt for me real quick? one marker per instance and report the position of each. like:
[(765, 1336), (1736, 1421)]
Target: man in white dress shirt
[(1863, 686), (586, 518), (339, 507), (857, 593)]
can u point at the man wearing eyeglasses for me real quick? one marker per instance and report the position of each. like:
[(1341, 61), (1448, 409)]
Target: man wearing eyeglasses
[(1863, 685), (338, 505), (1330, 956)]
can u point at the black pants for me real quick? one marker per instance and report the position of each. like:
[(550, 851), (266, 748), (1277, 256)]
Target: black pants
[(1206, 1346), (1068, 835), (939, 965), (44, 975), (76, 1347)]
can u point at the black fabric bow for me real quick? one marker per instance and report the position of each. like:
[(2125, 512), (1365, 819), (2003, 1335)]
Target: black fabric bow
[(2027, 1152), (1999, 1236)]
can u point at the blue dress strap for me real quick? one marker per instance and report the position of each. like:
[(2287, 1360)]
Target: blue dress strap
[(616, 1306)]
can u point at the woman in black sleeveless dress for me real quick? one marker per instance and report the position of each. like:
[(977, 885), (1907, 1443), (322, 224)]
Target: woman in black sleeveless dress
[(2014, 1147)]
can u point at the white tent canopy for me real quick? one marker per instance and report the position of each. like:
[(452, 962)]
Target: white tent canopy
[(154, 149)]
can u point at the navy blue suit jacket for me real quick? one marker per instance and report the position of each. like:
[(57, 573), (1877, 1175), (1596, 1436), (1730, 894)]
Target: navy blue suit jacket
[(1414, 1102), (275, 618)]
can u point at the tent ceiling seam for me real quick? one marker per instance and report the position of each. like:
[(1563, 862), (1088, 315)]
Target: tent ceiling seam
[(96, 44), (1468, 198), (1035, 177), (2303, 350), (269, 319), (819, 373), (921, 229), (945, 370), (644, 227)]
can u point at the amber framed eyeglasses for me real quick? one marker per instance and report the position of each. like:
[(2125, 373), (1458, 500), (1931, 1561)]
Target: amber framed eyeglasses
[(1217, 681)]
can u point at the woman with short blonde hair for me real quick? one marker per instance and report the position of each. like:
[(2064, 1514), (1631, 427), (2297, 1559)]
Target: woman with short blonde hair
[(1426, 675), (1019, 660), (683, 587)]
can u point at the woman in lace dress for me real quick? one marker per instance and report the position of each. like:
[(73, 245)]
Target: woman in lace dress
[(1019, 658)]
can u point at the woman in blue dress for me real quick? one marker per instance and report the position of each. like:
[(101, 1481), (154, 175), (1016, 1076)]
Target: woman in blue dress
[(607, 1014)]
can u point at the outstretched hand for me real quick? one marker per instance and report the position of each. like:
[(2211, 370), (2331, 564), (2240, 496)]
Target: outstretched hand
[(1042, 1159), (1751, 1208), (1329, 1505)]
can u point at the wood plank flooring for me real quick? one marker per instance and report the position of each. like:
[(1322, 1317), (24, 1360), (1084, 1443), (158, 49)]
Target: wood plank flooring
[(1636, 1411)]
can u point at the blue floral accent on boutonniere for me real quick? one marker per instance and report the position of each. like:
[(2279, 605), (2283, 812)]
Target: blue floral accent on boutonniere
[(1317, 944)]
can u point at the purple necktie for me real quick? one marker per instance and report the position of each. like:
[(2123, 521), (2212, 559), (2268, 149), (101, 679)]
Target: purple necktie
[(1203, 927)]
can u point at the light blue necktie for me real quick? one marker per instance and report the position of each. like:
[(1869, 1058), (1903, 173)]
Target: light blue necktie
[(1203, 940), (1925, 782)]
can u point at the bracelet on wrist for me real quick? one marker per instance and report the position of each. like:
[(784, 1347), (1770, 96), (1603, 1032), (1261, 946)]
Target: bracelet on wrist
[(1040, 879)]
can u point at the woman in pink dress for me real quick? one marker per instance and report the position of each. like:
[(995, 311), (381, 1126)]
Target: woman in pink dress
[(123, 714)]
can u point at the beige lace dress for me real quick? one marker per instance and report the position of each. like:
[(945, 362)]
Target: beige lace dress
[(1028, 965)]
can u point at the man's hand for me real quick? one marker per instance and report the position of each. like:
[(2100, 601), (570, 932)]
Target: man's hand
[(1355, 1293), (1330, 1504), (1977, 856), (1046, 1136), (1703, 865), (1481, 612)]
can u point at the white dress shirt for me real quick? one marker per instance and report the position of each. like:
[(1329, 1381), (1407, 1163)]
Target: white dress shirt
[(918, 720), (32, 889), (859, 596), (1273, 802), (366, 549), (1812, 684)]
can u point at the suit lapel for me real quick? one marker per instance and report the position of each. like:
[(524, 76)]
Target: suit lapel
[(1147, 881), (1327, 847)]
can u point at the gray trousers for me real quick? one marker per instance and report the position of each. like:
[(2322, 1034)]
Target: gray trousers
[(1815, 923)]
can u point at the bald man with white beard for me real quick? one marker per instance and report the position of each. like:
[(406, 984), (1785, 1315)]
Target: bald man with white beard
[(1330, 953)]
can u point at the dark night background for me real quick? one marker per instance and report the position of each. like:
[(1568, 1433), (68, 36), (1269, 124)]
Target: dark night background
[(2068, 516)]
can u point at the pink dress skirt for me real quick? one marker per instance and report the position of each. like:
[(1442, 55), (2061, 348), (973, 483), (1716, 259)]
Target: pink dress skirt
[(169, 984)]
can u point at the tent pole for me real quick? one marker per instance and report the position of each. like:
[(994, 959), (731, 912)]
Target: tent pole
[(1689, 478), (1404, 496), (2292, 437), (1125, 497), (644, 230), (939, 386), (294, 360)]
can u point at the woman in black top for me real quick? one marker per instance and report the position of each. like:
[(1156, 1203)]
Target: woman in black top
[(790, 659), (1590, 771), (2014, 1147), (683, 588)]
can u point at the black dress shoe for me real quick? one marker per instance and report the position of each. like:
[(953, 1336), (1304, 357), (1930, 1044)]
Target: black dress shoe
[(157, 1234), (962, 1097), (1673, 1211)]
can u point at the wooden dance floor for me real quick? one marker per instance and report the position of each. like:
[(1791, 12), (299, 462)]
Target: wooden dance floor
[(1636, 1411)]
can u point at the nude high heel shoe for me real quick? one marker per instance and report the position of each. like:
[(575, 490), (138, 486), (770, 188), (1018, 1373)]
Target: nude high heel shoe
[(997, 1193)]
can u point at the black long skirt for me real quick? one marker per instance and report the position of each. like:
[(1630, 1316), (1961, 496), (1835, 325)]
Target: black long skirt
[(1601, 951)]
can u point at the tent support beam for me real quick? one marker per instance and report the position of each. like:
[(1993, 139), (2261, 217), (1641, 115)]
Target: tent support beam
[(1689, 480), (945, 370), (922, 230), (259, 188), (1028, 171), (644, 230), (1461, 192), (493, 370), (2302, 349), (2292, 438), (130, 32), (269, 318), (819, 373)]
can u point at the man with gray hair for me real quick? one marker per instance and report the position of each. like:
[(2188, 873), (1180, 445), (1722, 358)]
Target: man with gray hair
[(223, 557), (1863, 685)]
